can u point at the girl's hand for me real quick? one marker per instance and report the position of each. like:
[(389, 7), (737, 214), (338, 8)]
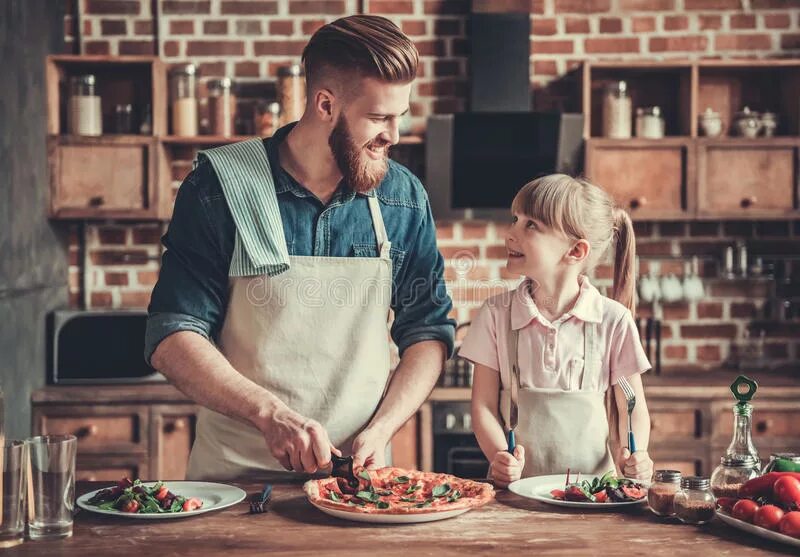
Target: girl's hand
[(506, 468), (637, 466)]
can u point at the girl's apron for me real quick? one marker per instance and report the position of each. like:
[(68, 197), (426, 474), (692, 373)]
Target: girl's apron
[(559, 429), (315, 335)]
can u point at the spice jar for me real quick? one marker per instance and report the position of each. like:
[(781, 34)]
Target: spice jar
[(711, 123), (221, 106), (731, 474), (747, 123), (84, 114), (793, 458), (266, 118), (291, 93), (123, 118), (617, 109), (649, 123), (694, 502), (183, 85), (661, 495)]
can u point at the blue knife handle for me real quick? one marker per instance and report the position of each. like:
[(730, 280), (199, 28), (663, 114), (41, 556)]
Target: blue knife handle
[(631, 443), (512, 442)]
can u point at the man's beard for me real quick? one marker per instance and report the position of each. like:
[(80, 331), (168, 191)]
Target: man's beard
[(360, 172)]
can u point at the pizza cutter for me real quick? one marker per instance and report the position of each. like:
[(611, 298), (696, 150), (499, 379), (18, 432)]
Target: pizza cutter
[(343, 468)]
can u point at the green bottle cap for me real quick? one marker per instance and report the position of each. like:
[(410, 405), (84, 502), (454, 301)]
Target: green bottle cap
[(744, 396)]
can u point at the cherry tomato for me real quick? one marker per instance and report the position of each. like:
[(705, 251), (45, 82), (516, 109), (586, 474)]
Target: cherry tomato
[(790, 524), (768, 516), (558, 494), (601, 496), (744, 509), (726, 503), (634, 492), (787, 490), (162, 493), (192, 504), (130, 506)]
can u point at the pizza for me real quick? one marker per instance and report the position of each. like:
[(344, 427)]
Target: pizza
[(393, 490)]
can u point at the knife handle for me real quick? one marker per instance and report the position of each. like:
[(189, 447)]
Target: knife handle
[(512, 441), (631, 442)]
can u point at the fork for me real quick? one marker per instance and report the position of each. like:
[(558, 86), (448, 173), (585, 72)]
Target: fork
[(630, 397), (259, 502)]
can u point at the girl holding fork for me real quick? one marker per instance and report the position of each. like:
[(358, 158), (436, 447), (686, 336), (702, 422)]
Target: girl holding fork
[(549, 355)]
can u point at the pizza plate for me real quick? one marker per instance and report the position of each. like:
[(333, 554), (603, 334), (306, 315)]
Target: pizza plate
[(412, 518)]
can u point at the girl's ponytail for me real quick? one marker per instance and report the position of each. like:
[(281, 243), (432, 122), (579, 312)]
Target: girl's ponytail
[(624, 261)]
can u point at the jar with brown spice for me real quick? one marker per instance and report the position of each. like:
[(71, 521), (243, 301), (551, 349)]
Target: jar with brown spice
[(732, 473), (617, 111), (221, 106), (183, 92), (291, 93), (661, 494), (266, 118), (694, 502)]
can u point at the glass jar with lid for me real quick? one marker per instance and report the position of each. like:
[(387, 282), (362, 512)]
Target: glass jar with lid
[(731, 474), (84, 113), (266, 118), (183, 92), (661, 494), (789, 462), (649, 122), (617, 111), (694, 501), (221, 106), (291, 93)]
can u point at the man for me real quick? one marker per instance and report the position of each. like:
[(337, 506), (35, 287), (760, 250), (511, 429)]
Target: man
[(284, 258)]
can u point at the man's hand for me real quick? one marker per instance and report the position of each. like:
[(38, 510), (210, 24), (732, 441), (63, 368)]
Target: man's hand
[(369, 449), (298, 443)]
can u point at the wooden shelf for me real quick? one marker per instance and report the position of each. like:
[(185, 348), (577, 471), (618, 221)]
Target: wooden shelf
[(204, 139)]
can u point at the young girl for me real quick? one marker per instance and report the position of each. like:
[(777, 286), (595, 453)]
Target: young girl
[(564, 342)]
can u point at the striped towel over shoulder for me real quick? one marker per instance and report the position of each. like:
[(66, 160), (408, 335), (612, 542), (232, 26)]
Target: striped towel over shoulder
[(244, 171)]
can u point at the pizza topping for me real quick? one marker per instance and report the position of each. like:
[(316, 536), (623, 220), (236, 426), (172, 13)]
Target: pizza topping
[(369, 496), (402, 480), (333, 496), (454, 495), (413, 488), (363, 474), (440, 490)]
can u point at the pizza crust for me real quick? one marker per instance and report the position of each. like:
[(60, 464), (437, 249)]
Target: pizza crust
[(474, 494)]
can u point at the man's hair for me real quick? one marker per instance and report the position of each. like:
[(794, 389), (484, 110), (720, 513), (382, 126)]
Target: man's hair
[(362, 46)]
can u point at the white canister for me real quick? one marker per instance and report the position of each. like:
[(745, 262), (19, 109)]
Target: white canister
[(649, 123), (84, 109), (617, 111), (711, 123)]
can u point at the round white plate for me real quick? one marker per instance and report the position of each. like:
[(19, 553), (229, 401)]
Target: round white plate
[(757, 530), (390, 518), (214, 496), (538, 488)]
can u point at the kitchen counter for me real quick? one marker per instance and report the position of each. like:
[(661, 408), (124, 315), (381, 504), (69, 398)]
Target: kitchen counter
[(292, 526)]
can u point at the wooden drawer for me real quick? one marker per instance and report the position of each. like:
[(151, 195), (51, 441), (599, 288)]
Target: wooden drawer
[(667, 425), (112, 176), (656, 179), (740, 178), (686, 465), (101, 429), (112, 468), (172, 436), (774, 424)]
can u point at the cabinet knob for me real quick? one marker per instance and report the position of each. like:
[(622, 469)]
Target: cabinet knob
[(748, 202), (638, 202), (762, 426), (96, 201), (652, 424), (175, 425), (86, 431)]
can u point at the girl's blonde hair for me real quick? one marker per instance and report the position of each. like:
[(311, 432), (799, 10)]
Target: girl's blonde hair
[(582, 211)]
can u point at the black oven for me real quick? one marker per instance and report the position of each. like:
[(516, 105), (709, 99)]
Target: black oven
[(455, 449)]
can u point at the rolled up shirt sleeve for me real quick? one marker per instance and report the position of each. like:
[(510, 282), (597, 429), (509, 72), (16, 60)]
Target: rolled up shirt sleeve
[(420, 302), (191, 293)]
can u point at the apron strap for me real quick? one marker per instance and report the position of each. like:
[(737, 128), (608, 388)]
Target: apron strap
[(384, 245), (513, 362), (588, 353)]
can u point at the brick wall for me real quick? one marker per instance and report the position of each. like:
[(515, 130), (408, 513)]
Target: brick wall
[(114, 265)]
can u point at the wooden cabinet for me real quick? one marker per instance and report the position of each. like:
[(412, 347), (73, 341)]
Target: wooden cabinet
[(172, 435)]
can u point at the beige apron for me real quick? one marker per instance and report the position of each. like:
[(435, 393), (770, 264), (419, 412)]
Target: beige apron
[(559, 429), (316, 337)]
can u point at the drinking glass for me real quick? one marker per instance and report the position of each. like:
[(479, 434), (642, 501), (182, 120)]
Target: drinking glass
[(52, 494)]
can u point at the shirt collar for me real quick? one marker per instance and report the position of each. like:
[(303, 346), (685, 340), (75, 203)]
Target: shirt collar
[(588, 307), (284, 181)]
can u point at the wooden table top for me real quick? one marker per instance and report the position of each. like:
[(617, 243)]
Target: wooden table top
[(292, 526)]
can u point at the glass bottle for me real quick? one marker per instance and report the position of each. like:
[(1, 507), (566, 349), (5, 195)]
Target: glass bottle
[(694, 502), (221, 106), (731, 474), (617, 111), (741, 445), (84, 114), (183, 90), (661, 495)]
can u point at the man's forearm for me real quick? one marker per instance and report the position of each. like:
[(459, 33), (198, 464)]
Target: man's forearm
[(412, 382), (202, 373)]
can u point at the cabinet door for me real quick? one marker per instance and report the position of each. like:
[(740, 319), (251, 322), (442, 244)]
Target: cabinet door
[(405, 453), (173, 433), (648, 178), (105, 429), (112, 177), (112, 468), (739, 178)]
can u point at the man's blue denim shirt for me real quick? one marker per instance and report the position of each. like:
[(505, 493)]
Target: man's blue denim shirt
[(192, 289)]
